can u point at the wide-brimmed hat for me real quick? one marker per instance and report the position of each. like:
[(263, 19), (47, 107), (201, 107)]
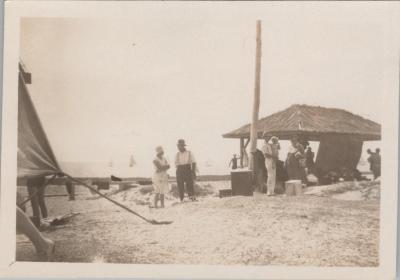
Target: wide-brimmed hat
[(181, 142), (159, 149), (266, 135)]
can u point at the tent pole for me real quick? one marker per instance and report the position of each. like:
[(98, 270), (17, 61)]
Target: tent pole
[(154, 222), (256, 103)]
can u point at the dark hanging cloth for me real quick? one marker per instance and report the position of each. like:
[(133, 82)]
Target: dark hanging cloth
[(336, 152), (281, 174)]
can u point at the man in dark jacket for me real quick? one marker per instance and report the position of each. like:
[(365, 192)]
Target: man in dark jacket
[(310, 160), (376, 168)]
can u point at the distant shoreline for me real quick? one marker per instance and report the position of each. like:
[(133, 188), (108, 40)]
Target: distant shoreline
[(61, 181)]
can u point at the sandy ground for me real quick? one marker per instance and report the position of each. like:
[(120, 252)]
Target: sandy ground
[(311, 230)]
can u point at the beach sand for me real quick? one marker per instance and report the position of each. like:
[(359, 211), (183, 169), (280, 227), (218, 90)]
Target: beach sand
[(309, 230)]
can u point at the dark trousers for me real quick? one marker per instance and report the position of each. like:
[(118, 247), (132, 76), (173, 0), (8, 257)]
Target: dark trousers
[(36, 189), (376, 171), (71, 190), (184, 176), (37, 201)]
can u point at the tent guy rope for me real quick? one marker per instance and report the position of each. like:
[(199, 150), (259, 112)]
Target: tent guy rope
[(151, 221), (36, 191)]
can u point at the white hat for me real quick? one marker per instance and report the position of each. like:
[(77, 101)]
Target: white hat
[(266, 135), (159, 150)]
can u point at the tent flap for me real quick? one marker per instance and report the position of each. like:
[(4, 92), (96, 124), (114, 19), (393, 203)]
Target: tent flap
[(35, 156)]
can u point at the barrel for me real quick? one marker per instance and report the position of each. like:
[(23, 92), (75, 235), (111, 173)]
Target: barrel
[(241, 182), (293, 187)]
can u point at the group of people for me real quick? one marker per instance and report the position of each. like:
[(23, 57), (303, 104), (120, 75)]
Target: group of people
[(374, 160), (186, 169), (269, 169)]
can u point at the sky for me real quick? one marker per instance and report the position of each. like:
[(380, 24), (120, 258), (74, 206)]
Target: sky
[(106, 88)]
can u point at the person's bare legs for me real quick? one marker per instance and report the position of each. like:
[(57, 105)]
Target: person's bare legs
[(44, 246)]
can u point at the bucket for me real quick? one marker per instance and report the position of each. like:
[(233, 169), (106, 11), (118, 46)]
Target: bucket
[(298, 188), (293, 187)]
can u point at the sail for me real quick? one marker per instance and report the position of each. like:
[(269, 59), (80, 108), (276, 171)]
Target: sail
[(132, 161)]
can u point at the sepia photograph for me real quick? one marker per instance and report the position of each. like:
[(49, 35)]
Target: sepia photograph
[(216, 134)]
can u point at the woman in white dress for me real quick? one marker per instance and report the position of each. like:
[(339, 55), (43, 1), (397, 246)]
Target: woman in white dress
[(160, 177)]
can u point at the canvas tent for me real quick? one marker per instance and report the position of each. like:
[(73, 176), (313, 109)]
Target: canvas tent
[(35, 156), (341, 134)]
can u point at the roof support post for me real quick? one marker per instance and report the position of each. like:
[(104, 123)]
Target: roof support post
[(241, 151), (247, 143)]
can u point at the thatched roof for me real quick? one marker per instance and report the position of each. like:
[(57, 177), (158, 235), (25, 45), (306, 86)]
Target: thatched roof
[(312, 122)]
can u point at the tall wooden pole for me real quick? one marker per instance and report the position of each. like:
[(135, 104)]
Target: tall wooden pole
[(256, 102)]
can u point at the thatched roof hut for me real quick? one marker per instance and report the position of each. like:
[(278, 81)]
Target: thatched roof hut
[(313, 122), (341, 133)]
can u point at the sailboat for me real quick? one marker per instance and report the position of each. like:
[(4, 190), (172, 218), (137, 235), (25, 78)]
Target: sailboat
[(111, 163), (131, 161)]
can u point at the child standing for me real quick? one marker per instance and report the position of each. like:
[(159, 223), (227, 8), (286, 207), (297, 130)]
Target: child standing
[(160, 177)]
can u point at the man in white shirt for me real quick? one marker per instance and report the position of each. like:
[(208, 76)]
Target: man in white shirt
[(185, 170), (271, 154)]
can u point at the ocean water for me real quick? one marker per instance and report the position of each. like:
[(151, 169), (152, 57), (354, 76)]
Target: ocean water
[(102, 169), (208, 164)]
